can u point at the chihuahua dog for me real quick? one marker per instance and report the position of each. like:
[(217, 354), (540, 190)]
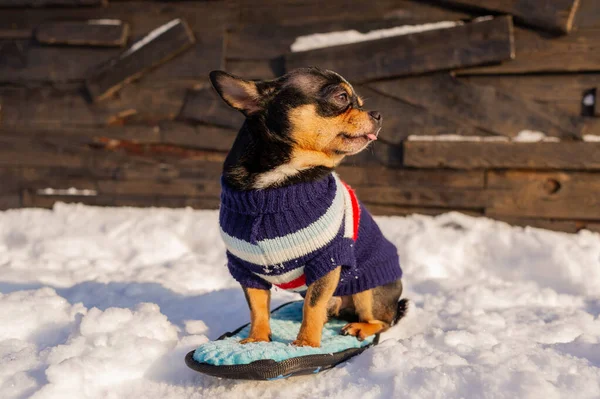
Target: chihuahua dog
[(288, 220)]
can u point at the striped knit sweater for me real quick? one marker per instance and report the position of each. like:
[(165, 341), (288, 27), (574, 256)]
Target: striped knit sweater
[(292, 236)]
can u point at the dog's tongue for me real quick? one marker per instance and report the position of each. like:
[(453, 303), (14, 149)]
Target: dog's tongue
[(372, 136)]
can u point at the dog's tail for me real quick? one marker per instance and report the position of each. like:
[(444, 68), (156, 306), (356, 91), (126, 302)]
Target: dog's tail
[(401, 310)]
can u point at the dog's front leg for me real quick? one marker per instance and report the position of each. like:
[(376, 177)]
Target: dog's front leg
[(314, 314), (259, 302)]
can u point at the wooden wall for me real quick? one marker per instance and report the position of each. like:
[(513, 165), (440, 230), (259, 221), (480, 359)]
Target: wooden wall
[(89, 114)]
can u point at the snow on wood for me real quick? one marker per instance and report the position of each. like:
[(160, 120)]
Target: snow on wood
[(484, 154), (158, 46), (475, 43), (320, 40)]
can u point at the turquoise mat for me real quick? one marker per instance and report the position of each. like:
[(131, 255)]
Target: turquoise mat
[(285, 324)]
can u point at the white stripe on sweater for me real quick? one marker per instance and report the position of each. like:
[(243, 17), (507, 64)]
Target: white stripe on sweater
[(349, 212), (282, 278), (295, 245)]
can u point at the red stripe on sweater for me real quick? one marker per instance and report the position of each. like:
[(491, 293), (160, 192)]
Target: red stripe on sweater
[(299, 282), (355, 211)]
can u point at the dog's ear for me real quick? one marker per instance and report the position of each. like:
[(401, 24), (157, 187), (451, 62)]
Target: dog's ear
[(240, 94)]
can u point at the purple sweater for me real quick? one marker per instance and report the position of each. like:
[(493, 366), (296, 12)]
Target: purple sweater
[(292, 236)]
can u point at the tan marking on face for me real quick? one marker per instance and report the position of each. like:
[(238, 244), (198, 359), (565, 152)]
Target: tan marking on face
[(313, 132), (347, 88), (360, 101)]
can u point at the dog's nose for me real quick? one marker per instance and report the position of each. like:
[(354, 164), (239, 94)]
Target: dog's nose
[(375, 115)]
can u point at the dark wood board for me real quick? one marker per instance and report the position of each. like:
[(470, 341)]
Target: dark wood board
[(146, 102), (424, 196), (11, 180), (34, 62), (94, 32), (552, 15), (393, 210), (32, 199), (292, 12), (557, 195), (200, 136), (206, 106), (260, 40), (537, 52), (477, 155), (256, 69), (402, 119), (10, 201), (496, 111), (561, 91), (159, 46), (474, 43), (53, 3), (379, 176), (567, 226)]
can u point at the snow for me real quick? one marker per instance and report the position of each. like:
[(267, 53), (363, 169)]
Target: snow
[(106, 302), (337, 38), (524, 136)]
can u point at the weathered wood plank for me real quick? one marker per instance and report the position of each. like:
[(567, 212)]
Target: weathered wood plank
[(543, 88), (32, 199), (160, 45), (595, 227), (557, 195), (402, 119), (588, 15), (256, 69), (268, 40), (205, 106), (379, 153), (473, 155), (10, 179), (33, 62), (567, 226), (10, 201), (46, 3), (81, 136), (200, 136), (392, 210), (423, 196), (93, 32), (377, 176), (485, 107), (144, 102), (553, 15), (539, 52), (473, 43), (292, 12), (174, 188)]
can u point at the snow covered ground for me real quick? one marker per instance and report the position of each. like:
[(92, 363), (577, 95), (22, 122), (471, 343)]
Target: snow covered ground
[(105, 303)]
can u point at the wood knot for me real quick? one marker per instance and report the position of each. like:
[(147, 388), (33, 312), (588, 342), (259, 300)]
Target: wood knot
[(552, 186)]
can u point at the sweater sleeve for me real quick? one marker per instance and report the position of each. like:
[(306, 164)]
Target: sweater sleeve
[(246, 278), (339, 253)]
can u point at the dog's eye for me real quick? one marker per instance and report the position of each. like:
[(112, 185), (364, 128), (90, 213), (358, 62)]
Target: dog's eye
[(342, 97)]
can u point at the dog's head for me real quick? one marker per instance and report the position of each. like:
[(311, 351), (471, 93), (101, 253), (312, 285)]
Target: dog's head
[(317, 110), (314, 116)]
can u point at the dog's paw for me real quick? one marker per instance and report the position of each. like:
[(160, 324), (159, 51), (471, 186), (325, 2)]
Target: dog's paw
[(255, 339), (361, 330), (306, 342)]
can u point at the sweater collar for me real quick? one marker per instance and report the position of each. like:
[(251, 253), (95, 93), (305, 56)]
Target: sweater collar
[(273, 200)]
